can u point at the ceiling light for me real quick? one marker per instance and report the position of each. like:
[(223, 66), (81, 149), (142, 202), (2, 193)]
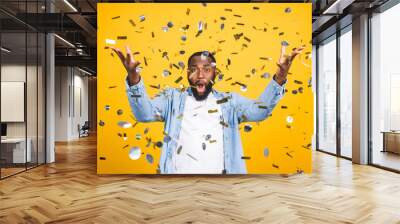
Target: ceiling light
[(64, 40), (70, 5), (5, 50), (84, 71)]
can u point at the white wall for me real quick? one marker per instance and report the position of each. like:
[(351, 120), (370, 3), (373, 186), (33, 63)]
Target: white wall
[(71, 94)]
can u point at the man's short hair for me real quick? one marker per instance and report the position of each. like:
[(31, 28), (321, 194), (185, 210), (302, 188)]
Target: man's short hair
[(202, 53)]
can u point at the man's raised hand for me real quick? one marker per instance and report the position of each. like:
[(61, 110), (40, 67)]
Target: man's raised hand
[(129, 63), (285, 62)]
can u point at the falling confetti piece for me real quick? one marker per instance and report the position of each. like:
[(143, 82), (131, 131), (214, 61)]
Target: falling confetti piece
[(135, 153), (288, 154), (155, 87), (204, 55), (266, 152), (240, 24), (223, 100), (179, 150), (275, 166), (191, 156), (247, 127), (224, 124), (294, 91), (212, 111), (183, 38), (281, 33), (300, 89), (149, 158), (236, 15), (213, 141), (179, 79), (284, 107), (167, 138), (142, 18), (107, 107), (164, 28), (116, 17), (238, 36), (246, 157), (124, 124), (256, 8), (138, 137), (243, 88), (228, 10), (208, 137), (298, 82), (220, 77), (101, 123), (159, 144), (132, 22), (122, 37), (170, 24), (126, 146), (266, 75), (263, 107), (182, 52), (166, 73), (102, 158), (288, 10), (110, 41), (120, 112), (289, 119), (203, 146)]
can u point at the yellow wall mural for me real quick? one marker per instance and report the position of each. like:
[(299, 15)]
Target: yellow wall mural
[(246, 41)]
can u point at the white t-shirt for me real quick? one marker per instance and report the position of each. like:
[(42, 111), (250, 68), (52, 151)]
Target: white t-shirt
[(200, 144)]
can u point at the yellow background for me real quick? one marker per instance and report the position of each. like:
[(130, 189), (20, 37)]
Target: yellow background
[(273, 133)]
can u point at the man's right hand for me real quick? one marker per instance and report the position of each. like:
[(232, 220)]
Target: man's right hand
[(130, 65)]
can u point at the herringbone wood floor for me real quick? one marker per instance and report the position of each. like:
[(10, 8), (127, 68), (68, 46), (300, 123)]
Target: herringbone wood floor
[(70, 191)]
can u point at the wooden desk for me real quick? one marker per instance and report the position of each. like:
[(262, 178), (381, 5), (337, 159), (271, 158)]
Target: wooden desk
[(391, 141), (13, 150)]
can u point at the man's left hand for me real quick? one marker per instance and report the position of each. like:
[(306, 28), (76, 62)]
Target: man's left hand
[(284, 63)]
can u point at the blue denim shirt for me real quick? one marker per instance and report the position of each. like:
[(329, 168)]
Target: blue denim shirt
[(168, 107)]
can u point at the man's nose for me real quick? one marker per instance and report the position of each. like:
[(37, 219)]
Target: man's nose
[(200, 74)]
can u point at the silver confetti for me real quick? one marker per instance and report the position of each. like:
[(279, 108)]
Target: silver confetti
[(149, 158), (289, 119), (107, 107), (164, 28), (243, 88), (204, 55), (166, 73), (208, 137), (247, 127), (183, 38), (124, 124), (266, 75), (138, 137), (142, 18), (101, 123), (203, 146), (135, 153), (181, 64), (170, 24), (200, 26), (266, 152)]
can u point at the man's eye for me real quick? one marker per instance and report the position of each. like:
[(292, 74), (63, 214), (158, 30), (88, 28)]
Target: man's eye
[(207, 69)]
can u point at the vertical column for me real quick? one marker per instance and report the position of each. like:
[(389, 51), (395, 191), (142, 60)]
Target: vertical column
[(360, 90), (50, 92)]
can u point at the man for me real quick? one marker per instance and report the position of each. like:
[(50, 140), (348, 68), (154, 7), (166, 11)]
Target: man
[(202, 124)]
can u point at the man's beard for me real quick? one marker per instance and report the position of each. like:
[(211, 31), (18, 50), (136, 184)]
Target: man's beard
[(205, 95)]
